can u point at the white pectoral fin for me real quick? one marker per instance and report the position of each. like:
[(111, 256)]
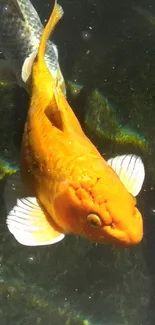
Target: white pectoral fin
[(27, 66), (29, 225), (130, 170), (26, 220)]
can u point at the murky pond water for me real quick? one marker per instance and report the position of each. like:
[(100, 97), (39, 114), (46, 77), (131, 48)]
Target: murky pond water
[(106, 53)]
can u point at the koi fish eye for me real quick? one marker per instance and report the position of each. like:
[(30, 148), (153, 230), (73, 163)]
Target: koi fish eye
[(94, 220)]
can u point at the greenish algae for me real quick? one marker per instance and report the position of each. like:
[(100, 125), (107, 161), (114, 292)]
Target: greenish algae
[(7, 169), (101, 118)]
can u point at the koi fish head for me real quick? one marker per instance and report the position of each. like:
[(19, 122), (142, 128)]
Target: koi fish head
[(101, 209), (114, 218)]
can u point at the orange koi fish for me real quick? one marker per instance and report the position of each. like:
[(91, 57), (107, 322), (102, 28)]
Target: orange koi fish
[(65, 186)]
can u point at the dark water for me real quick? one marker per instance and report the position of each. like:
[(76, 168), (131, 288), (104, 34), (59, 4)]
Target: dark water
[(108, 47)]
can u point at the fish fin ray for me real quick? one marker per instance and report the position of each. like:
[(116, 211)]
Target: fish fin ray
[(130, 170), (29, 225)]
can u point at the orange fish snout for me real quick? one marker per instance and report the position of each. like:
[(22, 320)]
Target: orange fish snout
[(126, 233)]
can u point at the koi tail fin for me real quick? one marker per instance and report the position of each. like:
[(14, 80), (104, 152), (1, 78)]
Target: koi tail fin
[(43, 83), (56, 15)]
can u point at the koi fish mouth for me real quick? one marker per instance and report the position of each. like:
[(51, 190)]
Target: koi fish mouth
[(127, 234)]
